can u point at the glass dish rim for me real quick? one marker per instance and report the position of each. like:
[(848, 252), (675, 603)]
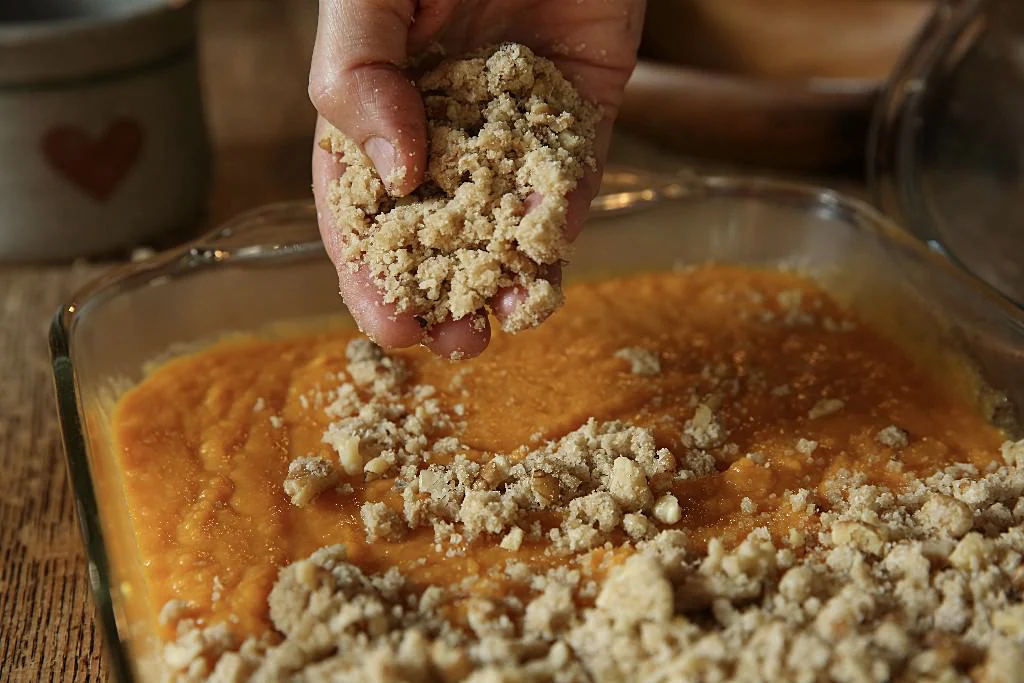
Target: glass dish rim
[(891, 142), (213, 249)]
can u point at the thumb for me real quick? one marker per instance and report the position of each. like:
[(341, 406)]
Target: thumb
[(356, 83)]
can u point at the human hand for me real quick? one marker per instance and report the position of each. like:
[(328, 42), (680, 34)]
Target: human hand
[(357, 83)]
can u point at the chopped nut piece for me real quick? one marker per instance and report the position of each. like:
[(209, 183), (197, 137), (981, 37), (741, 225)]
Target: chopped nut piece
[(667, 510), (893, 437), (806, 446), (308, 478), (495, 473), (376, 467), (703, 429), (641, 361), (946, 514), (513, 540), (628, 485), (971, 553), (825, 407), (1013, 453), (861, 536), (347, 447), (545, 486)]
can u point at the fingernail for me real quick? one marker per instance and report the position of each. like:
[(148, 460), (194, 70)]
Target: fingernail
[(384, 157)]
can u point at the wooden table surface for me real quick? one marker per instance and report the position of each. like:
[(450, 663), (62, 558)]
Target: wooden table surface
[(254, 55)]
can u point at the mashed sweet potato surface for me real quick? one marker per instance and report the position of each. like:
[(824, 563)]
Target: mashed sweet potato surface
[(761, 388)]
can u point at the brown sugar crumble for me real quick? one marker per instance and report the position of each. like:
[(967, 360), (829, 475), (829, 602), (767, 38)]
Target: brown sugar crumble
[(509, 139), (308, 478), (894, 587), (641, 361), (604, 549)]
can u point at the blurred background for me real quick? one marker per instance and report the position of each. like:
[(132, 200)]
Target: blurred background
[(778, 85), (787, 84), (784, 87), (254, 62)]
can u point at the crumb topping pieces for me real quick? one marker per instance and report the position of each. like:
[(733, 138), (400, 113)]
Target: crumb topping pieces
[(916, 585), (641, 361), (584, 556), (509, 138), (825, 407), (308, 478), (908, 585), (381, 426)]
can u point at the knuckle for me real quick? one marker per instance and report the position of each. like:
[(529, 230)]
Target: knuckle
[(322, 93)]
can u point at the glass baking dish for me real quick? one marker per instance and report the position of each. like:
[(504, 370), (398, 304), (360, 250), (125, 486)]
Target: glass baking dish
[(946, 155), (267, 267)]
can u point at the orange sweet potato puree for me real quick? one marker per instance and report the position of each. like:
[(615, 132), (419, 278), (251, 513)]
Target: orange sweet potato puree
[(204, 460)]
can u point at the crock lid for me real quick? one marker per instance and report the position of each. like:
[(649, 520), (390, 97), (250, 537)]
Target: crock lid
[(117, 39), (946, 156)]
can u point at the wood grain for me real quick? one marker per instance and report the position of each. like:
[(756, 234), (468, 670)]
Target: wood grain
[(47, 630)]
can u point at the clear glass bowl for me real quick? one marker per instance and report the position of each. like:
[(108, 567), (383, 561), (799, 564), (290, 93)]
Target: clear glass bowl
[(946, 157), (267, 267)]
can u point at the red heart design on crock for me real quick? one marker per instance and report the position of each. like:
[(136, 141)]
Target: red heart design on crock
[(97, 166)]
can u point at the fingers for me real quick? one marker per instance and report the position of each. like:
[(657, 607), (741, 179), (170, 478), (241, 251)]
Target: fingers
[(505, 302), (599, 66), (379, 321), (460, 339), (375, 318), (356, 82), (432, 16)]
